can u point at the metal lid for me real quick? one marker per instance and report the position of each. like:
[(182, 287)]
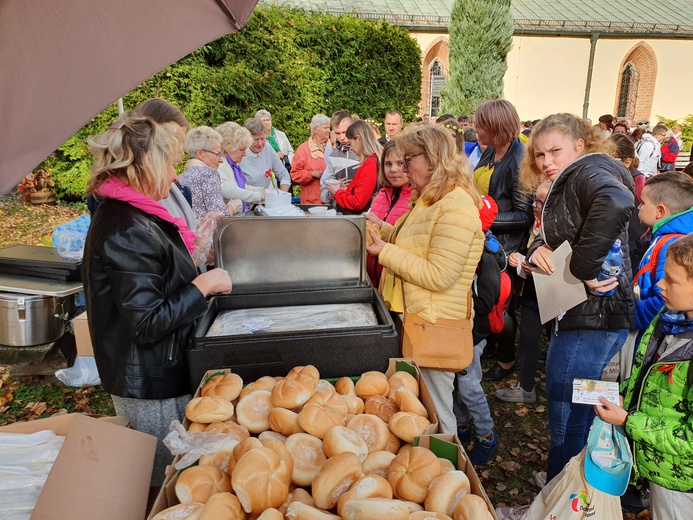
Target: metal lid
[(271, 254)]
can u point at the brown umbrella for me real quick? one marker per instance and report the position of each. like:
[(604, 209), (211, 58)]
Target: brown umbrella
[(64, 61)]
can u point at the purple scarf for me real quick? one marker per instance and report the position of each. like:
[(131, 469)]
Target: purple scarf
[(238, 174)]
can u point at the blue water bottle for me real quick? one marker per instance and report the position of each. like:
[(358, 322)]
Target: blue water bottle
[(611, 267)]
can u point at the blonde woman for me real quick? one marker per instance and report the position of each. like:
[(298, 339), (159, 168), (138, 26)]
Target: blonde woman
[(436, 246), (355, 196)]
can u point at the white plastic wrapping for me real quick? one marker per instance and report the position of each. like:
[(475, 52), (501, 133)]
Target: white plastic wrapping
[(293, 318), (83, 372), (193, 445), (203, 238)]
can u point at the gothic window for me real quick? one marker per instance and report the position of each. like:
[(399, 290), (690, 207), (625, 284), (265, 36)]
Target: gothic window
[(627, 96), (437, 82)]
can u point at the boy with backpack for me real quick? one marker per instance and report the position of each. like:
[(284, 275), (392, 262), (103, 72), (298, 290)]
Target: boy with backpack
[(657, 406), (469, 401)]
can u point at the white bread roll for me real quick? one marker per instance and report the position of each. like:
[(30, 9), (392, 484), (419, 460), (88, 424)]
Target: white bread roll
[(427, 515), (274, 435), (372, 383), (381, 406), (355, 405), (296, 388), (181, 512), (393, 443), (412, 472), (198, 483), (404, 447), (446, 465), (377, 463), (253, 411), (371, 429), (209, 409), (317, 419), (228, 386), (340, 439), (260, 480), (445, 492), (339, 404), (370, 486), (219, 460), (223, 505), (301, 511), (407, 425), (279, 448), (408, 402), (372, 508), (264, 383), (335, 478), (241, 449), (472, 507), (270, 514), (323, 391), (308, 455), (402, 378), (197, 427), (235, 430), (413, 506), (345, 386)]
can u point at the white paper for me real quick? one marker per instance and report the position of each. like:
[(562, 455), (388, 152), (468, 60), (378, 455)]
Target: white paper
[(588, 391), (520, 272)]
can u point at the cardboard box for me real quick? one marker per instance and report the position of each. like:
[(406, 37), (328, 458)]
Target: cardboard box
[(102, 471), (82, 337), (449, 447)]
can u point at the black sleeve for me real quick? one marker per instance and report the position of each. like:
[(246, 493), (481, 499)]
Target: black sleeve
[(487, 290)]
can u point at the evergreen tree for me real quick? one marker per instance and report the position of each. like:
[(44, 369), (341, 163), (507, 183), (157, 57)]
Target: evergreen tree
[(480, 39)]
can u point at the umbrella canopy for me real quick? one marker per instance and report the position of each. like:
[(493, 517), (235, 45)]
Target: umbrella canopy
[(64, 61)]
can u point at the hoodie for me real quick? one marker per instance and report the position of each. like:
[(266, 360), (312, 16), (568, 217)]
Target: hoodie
[(648, 151)]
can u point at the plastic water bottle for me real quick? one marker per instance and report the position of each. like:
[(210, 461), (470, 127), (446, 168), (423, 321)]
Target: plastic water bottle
[(611, 267)]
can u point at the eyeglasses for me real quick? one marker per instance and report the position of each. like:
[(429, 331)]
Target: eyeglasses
[(218, 154), (408, 158)]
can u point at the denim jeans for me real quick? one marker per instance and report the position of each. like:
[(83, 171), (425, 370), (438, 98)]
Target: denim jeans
[(469, 400), (582, 354)]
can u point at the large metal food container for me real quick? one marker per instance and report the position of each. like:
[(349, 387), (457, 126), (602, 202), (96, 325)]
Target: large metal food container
[(294, 261), (27, 320)]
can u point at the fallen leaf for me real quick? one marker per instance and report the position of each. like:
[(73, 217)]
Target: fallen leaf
[(510, 465), (501, 487), (513, 491), (540, 409)]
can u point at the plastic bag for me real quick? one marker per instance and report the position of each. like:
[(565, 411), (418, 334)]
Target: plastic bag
[(83, 372), (69, 238), (193, 445), (203, 239)]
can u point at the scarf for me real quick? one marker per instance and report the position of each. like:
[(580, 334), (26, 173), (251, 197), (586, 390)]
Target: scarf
[(675, 322), (237, 174), (317, 151), (116, 189), (271, 139)]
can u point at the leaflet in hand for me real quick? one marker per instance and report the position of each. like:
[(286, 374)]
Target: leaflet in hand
[(588, 391)]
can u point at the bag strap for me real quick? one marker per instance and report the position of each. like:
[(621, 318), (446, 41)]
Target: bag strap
[(651, 266)]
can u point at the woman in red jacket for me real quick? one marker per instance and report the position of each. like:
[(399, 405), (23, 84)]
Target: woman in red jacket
[(354, 196), (392, 201)]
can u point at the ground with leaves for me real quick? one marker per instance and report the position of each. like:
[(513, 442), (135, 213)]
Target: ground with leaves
[(522, 429)]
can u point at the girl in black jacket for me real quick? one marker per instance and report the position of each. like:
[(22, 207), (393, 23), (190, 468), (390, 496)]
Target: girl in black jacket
[(589, 205)]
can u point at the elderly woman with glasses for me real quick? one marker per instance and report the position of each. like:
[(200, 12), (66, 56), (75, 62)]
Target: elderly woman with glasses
[(262, 161), (309, 161), (203, 146)]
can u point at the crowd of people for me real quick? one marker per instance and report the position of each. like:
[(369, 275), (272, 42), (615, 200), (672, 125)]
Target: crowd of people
[(466, 210)]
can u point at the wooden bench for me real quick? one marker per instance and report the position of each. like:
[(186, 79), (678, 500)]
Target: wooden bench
[(682, 160)]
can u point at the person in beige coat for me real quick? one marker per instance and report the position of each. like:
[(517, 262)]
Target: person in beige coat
[(436, 246)]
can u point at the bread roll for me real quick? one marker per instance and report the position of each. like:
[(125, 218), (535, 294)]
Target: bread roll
[(341, 439), (253, 411), (445, 492), (228, 386), (408, 402), (404, 447), (335, 478), (308, 455), (231, 428), (219, 460), (355, 405), (317, 419), (402, 378), (301, 495), (323, 391), (296, 388), (197, 427), (408, 425), (372, 508), (427, 515), (301, 511), (223, 505), (274, 435), (209, 409), (241, 449), (339, 404), (181, 512), (370, 486), (472, 507), (260, 480), (198, 483), (279, 448), (413, 506), (412, 472), (345, 386), (446, 465), (372, 383), (381, 406), (371, 429), (264, 383), (393, 443), (371, 226), (270, 514), (377, 463)]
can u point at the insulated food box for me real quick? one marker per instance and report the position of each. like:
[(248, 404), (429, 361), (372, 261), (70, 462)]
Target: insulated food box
[(314, 267)]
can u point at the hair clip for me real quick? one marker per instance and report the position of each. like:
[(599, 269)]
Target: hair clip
[(453, 127), (117, 124)]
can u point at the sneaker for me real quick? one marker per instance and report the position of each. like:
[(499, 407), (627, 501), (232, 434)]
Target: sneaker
[(636, 498), (484, 449), (542, 386), (516, 394), (464, 434), (497, 373), (540, 479)]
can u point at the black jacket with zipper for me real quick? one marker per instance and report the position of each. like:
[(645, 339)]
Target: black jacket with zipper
[(589, 205), (142, 306)]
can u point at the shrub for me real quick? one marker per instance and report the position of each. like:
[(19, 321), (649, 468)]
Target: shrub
[(687, 132)]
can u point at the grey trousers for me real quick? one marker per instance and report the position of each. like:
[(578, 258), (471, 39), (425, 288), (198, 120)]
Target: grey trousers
[(667, 504), (440, 385), (153, 416), (469, 401)]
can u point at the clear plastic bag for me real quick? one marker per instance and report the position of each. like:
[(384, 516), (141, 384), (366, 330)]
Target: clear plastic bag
[(203, 239), (83, 372), (193, 445), (69, 238)]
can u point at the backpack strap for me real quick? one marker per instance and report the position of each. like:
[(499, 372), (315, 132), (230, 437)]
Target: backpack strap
[(651, 266)]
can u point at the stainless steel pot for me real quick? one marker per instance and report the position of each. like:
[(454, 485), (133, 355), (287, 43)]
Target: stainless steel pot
[(27, 320)]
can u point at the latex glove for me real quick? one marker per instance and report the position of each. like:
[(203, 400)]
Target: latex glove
[(203, 239), (235, 207)]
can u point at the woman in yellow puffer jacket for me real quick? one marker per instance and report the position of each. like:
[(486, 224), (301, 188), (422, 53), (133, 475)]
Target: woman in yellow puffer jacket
[(436, 246)]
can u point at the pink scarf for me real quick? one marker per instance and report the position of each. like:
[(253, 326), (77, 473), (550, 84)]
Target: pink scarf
[(116, 189)]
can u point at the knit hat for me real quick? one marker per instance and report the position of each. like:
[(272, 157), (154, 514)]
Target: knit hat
[(488, 209)]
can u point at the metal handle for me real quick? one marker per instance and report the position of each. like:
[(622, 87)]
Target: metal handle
[(21, 308)]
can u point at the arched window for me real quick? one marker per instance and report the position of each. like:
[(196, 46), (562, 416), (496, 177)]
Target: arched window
[(437, 82), (628, 93)]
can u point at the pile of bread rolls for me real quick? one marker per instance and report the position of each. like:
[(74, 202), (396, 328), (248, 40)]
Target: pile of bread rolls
[(300, 448)]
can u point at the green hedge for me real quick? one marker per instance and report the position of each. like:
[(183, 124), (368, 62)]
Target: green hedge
[(289, 62)]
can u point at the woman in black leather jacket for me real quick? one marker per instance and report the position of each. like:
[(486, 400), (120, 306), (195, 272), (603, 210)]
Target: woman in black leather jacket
[(143, 292), (589, 205)]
